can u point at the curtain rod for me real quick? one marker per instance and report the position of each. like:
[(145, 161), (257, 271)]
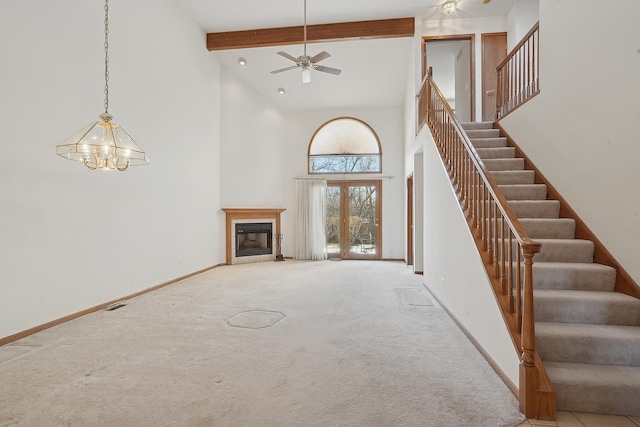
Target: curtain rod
[(344, 177)]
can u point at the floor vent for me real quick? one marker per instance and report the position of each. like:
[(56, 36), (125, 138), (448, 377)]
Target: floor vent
[(115, 306)]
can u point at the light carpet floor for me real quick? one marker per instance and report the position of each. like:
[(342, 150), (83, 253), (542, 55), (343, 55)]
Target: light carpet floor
[(295, 343)]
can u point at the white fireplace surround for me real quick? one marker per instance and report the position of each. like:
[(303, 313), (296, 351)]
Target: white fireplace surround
[(252, 258)]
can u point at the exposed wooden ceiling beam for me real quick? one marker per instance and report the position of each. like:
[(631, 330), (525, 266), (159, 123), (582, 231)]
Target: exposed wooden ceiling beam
[(380, 29)]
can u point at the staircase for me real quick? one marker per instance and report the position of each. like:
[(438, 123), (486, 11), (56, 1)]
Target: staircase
[(587, 334)]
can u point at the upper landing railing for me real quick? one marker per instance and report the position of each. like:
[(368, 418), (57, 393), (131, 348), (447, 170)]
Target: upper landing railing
[(519, 74)]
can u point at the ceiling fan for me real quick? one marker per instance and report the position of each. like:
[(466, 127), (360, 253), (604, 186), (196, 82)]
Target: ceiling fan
[(307, 63)]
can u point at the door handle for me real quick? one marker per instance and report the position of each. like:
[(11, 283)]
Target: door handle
[(490, 92)]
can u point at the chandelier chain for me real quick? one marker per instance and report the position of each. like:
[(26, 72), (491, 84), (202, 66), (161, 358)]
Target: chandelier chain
[(106, 56)]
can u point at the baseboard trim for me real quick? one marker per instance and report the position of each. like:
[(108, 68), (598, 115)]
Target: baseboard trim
[(479, 347), (392, 259), (421, 273), (56, 322)]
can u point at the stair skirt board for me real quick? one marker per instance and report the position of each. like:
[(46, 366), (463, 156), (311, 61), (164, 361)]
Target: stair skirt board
[(588, 335)]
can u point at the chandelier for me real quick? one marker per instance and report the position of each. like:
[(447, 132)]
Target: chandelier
[(103, 145)]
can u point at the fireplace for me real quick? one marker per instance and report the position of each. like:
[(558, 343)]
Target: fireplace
[(254, 238), (251, 234)]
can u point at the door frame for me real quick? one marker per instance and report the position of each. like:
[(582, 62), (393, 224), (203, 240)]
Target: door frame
[(344, 214), (471, 38)]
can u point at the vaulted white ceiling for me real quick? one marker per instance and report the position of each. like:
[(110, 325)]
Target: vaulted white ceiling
[(374, 72)]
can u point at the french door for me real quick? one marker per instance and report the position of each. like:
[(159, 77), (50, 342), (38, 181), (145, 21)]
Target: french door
[(353, 219)]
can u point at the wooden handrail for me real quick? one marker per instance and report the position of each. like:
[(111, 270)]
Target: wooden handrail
[(518, 76), (505, 246)]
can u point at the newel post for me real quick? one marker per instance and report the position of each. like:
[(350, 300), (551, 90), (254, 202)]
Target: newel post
[(528, 371)]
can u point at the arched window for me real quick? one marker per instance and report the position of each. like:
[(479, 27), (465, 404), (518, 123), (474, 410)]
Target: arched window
[(345, 145)]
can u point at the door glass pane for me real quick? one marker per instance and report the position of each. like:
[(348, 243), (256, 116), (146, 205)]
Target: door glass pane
[(362, 219), (333, 220)]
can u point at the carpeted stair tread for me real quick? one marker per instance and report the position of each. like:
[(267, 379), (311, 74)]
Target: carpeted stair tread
[(574, 276), (584, 343), (524, 191), (535, 208), (504, 164), (498, 142), (568, 306), (477, 125), (496, 153), (514, 177), (602, 389), (549, 228), (483, 133), (565, 250)]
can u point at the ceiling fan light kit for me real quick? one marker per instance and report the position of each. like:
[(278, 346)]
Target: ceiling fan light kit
[(306, 63)]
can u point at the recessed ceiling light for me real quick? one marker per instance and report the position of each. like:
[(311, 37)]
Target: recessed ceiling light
[(281, 91), (242, 61)]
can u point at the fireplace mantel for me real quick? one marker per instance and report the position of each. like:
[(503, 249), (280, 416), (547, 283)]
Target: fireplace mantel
[(248, 213)]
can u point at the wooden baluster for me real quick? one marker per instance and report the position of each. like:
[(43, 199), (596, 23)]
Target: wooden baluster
[(503, 258), (496, 252), (519, 288), (479, 207), (510, 273)]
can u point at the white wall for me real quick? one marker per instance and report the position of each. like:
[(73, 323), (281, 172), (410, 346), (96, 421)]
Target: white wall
[(521, 18), (454, 271), (253, 149), (74, 238), (388, 124), (581, 130)]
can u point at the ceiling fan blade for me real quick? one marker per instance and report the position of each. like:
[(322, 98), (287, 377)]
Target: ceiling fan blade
[(286, 55), (329, 70), (284, 69), (319, 57)]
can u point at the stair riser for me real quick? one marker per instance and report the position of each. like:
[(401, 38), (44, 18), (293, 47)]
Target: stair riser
[(550, 228), (504, 164), (477, 125), (514, 177), (598, 399), (573, 278), (524, 192), (489, 142), (496, 153), (483, 133), (565, 251), (589, 349), (536, 209), (594, 312)]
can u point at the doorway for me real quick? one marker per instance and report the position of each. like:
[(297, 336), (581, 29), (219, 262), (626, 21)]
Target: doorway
[(453, 62), (353, 212), (494, 51)]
